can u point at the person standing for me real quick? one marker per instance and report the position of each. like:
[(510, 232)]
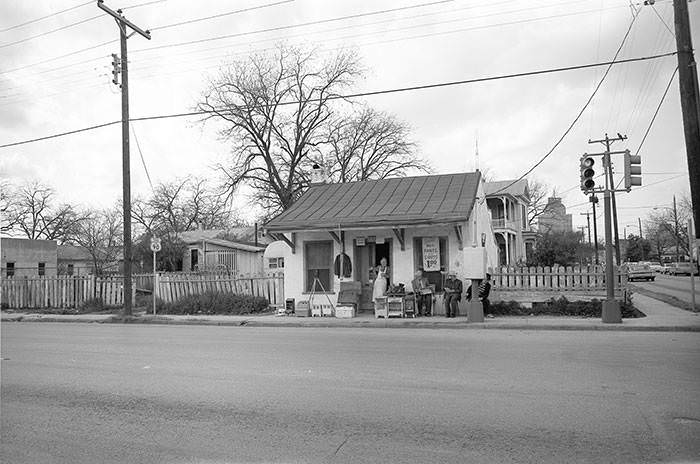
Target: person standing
[(484, 291), (381, 280), (453, 294)]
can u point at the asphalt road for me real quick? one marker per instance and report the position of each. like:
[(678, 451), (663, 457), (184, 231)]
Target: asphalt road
[(678, 286), (87, 393)]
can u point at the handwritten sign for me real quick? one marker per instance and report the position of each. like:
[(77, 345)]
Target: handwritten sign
[(431, 254)]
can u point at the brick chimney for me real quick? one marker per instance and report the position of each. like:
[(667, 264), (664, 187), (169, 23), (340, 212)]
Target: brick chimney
[(318, 175)]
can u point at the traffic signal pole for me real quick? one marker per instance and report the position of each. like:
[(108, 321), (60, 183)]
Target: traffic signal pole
[(610, 307), (123, 24)]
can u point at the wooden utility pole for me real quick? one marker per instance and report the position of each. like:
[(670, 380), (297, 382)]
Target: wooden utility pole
[(123, 24), (676, 231), (690, 101)]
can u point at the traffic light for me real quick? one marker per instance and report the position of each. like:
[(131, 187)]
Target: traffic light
[(587, 173), (633, 170), (116, 68)]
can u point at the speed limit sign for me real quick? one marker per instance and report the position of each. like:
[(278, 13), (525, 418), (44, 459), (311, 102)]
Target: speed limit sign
[(155, 244)]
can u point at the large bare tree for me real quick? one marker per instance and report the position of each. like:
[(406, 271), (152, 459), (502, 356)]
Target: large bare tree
[(371, 145), (100, 233), (33, 213), (274, 109)]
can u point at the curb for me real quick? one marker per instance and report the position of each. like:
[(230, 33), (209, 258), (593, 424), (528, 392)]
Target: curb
[(372, 325)]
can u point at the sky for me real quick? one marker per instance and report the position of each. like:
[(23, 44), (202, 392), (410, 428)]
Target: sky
[(55, 76)]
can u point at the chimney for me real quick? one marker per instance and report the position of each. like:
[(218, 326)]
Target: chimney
[(318, 175)]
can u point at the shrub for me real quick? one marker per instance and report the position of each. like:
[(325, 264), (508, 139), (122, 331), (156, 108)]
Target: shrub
[(214, 303), (92, 305), (561, 307)]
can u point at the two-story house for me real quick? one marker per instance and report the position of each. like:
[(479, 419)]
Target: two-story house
[(508, 202)]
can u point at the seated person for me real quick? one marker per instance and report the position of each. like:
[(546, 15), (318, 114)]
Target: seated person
[(423, 294), (453, 294)]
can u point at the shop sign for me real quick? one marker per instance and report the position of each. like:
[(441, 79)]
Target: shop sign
[(431, 254)]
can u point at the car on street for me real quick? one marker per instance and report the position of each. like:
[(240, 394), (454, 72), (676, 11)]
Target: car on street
[(681, 269), (639, 271), (656, 267), (667, 268)]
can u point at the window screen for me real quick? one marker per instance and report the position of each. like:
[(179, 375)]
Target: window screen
[(318, 262)]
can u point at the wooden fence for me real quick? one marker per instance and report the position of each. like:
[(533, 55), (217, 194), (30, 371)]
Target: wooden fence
[(534, 282), (59, 291), (174, 286)]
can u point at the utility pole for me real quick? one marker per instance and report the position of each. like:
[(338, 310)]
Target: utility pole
[(641, 239), (690, 101), (588, 227), (594, 201), (123, 24), (614, 210), (639, 220), (675, 228), (611, 307)]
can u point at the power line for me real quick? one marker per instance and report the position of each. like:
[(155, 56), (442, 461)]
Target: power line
[(46, 17), (580, 113), (220, 15), (292, 26), (365, 94), (77, 23), (143, 161), (656, 112)]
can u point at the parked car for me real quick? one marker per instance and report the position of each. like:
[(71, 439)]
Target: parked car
[(639, 271), (657, 267), (682, 269), (667, 268)]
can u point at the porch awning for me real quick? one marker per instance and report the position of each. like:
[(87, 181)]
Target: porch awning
[(403, 201)]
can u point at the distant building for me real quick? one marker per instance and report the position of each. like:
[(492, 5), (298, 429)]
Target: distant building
[(207, 251), (21, 257), (554, 218)]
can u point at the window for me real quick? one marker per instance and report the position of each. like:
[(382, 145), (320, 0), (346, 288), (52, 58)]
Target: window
[(280, 263), (42, 269), (318, 263), (10, 269), (275, 263), (70, 269), (434, 277)]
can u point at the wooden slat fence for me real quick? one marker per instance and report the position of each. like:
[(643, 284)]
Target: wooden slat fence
[(554, 279), (174, 286), (59, 291)]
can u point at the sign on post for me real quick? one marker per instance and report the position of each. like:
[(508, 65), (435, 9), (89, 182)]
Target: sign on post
[(155, 248)]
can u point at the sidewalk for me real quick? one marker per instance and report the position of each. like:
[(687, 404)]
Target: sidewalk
[(660, 317)]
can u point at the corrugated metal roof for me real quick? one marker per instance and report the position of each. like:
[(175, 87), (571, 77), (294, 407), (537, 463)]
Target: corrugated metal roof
[(504, 187), (386, 202)]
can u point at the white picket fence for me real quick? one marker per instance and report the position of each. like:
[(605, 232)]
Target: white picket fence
[(171, 287), (60, 291), (554, 279)]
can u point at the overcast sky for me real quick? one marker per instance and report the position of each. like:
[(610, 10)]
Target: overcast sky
[(517, 120)]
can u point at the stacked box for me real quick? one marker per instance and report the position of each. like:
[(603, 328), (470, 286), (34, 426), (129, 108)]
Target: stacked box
[(345, 311), (302, 309)]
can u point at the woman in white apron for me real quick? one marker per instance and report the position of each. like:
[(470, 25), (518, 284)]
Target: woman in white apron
[(380, 280)]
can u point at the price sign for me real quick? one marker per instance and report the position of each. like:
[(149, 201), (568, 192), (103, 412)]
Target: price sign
[(431, 254), (155, 244)]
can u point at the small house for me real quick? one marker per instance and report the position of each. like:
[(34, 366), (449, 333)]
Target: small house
[(27, 258), (342, 231), (206, 252)]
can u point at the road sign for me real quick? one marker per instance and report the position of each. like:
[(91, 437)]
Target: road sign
[(155, 244)]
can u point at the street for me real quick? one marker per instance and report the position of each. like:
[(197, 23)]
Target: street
[(677, 286), (85, 393)]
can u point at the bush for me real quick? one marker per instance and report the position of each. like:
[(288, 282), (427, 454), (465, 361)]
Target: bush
[(214, 303), (92, 305), (561, 307)]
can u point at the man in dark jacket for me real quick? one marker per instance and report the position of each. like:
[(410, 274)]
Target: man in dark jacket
[(453, 294), (484, 290)]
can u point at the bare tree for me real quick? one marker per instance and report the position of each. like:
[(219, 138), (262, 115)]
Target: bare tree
[(538, 200), (100, 233), (8, 217), (181, 205), (33, 214), (666, 227), (274, 109), (371, 145)]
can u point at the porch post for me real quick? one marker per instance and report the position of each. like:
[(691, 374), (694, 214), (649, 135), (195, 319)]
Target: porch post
[(507, 237)]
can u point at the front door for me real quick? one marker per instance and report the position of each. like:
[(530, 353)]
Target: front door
[(367, 258)]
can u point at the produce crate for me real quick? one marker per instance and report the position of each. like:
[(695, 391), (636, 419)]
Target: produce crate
[(302, 309), (344, 312)]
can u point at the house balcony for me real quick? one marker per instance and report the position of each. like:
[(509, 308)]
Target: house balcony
[(503, 224)]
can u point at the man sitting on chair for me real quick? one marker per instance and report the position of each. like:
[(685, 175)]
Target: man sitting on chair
[(453, 294), (423, 294)]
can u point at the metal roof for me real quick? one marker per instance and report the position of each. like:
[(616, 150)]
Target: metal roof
[(386, 202), (504, 187)]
